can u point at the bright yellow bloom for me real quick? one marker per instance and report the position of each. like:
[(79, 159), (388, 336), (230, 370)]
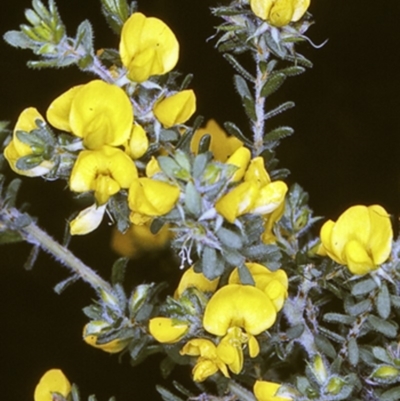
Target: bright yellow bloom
[(273, 283), (268, 237), (53, 381), (166, 330), (94, 329), (139, 239), (98, 112), (147, 47), (266, 391), (221, 145), (104, 171), (152, 167), (241, 306), (208, 362), (240, 158), (175, 109), (152, 198), (138, 142), (16, 149), (87, 220), (256, 172), (279, 12), (191, 279), (361, 238)]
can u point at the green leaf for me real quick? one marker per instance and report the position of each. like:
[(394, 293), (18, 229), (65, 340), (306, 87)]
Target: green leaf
[(273, 83), (295, 331), (204, 144), (169, 166), (354, 353), (364, 287), (229, 238), (387, 328), (245, 276), (381, 354), (200, 163), (383, 302), (391, 395), (278, 110), (212, 265), (325, 346), (118, 270), (186, 138), (278, 134), (293, 70), (241, 86), (18, 39), (63, 285), (236, 65), (358, 308), (235, 131), (116, 12), (233, 257), (193, 200), (338, 318)]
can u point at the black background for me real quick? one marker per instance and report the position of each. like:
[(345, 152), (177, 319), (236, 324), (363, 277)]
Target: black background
[(345, 151)]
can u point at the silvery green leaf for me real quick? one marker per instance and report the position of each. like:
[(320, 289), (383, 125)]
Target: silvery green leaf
[(332, 317), (381, 354), (241, 86), (273, 83), (169, 166), (28, 162), (391, 395), (18, 39), (245, 276), (192, 199), (182, 159), (353, 350), (200, 163), (387, 328), (358, 308), (229, 238), (204, 144), (166, 394), (325, 346), (168, 135), (211, 263), (238, 67), (395, 301), (383, 302), (118, 270), (278, 110), (235, 131), (295, 331), (363, 287), (293, 70), (63, 285), (234, 258)]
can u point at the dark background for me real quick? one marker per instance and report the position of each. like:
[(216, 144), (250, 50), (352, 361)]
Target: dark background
[(345, 151)]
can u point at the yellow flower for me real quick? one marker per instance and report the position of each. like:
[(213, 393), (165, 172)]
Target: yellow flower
[(104, 171), (139, 239), (221, 145), (138, 142), (96, 328), (268, 237), (53, 381), (361, 238), (175, 109), (16, 149), (152, 198), (208, 362), (147, 47), (87, 220), (166, 330), (191, 279), (238, 201), (241, 306), (152, 167), (98, 112), (279, 12), (273, 283), (266, 391)]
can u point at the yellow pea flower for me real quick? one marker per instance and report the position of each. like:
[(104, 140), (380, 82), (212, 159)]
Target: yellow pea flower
[(221, 145), (104, 171), (175, 109), (242, 306), (147, 47), (256, 172), (152, 198), (139, 239), (279, 12), (361, 238), (53, 381), (273, 283), (269, 198), (197, 280), (152, 167), (138, 142), (240, 200), (208, 362), (166, 330), (98, 112), (266, 391), (16, 149), (268, 237), (97, 327)]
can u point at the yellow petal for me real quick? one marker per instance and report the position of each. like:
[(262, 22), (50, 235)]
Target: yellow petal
[(147, 47), (138, 142), (204, 368), (256, 172), (238, 201), (254, 347), (241, 306), (265, 391), (270, 197), (101, 114), (200, 347), (191, 279), (87, 220), (240, 158), (152, 167), (357, 259), (300, 8), (281, 13), (166, 330), (175, 109), (53, 381), (58, 113), (261, 8), (152, 197)]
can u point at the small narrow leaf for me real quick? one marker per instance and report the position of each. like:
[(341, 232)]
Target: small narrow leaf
[(278, 134), (118, 270), (241, 86), (274, 82), (236, 65), (245, 276), (249, 108), (383, 302), (278, 110), (363, 287), (167, 395), (235, 131), (387, 328), (325, 346), (192, 199), (61, 287), (211, 264), (353, 352)]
